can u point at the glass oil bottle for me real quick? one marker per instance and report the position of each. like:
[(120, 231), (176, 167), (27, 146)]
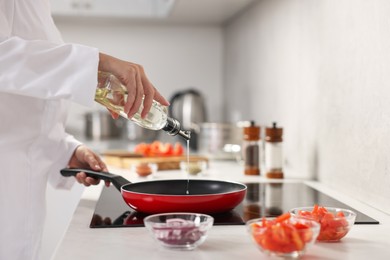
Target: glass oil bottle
[(113, 95)]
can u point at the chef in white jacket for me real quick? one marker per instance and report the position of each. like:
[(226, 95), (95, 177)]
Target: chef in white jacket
[(39, 77)]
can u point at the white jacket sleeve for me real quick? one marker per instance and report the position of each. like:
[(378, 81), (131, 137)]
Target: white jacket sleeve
[(47, 70), (56, 180)]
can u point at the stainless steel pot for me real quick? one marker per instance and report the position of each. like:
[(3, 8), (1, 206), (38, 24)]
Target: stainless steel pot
[(136, 133), (100, 125), (189, 108)]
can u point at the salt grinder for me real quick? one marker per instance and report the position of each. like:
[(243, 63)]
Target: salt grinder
[(274, 152)]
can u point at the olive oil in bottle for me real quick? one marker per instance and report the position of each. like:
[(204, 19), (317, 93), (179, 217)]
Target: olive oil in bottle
[(113, 95)]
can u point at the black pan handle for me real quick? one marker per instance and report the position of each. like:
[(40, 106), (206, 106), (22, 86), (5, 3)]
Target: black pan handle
[(117, 180)]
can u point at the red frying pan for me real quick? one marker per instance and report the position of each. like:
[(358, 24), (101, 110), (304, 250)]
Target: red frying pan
[(204, 196)]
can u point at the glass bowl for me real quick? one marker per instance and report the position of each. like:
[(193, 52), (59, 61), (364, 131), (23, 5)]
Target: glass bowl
[(182, 231), (289, 238), (144, 169), (193, 167), (335, 222)]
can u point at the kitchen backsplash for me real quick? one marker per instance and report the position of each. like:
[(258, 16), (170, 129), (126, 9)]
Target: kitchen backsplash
[(321, 70)]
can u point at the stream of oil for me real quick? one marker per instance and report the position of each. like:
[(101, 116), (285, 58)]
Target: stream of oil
[(188, 167)]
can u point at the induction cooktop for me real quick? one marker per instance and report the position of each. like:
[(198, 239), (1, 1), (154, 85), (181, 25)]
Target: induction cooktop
[(262, 199)]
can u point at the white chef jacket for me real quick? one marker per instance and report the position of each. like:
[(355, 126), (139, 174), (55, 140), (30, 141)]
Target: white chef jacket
[(39, 76)]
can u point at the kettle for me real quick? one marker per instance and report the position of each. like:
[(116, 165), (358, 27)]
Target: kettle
[(189, 108)]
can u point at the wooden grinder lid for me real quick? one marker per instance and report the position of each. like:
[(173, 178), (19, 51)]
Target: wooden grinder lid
[(252, 132), (273, 134)]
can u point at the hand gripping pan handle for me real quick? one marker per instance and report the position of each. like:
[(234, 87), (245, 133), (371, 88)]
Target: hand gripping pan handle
[(116, 180)]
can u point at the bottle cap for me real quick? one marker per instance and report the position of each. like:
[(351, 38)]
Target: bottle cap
[(274, 133), (252, 132)]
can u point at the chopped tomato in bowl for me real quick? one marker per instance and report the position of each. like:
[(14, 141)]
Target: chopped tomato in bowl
[(335, 222), (283, 236)]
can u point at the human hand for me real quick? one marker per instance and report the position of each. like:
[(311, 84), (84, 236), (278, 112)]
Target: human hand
[(85, 158), (133, 77)]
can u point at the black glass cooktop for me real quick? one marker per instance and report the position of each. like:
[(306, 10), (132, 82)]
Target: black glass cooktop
[(262, 199)]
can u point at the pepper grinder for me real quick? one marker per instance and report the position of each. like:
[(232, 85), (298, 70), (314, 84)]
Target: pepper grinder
[(251, 149), (273, 152)]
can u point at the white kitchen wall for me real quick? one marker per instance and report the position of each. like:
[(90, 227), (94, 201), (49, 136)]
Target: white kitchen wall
[(321, 70), (175, 57)]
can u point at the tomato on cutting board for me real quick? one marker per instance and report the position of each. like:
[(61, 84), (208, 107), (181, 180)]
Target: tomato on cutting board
[(142, 148), (158, 148), (178, 149), (155, 148), (166, 149)]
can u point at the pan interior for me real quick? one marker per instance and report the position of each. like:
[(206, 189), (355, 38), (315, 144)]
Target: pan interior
[(179, 187)]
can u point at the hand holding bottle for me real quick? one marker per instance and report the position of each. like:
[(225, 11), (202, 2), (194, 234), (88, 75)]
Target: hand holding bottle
[(139, 88), (112, 94)]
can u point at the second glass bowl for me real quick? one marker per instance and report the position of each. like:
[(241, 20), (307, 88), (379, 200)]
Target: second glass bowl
[(335, 222)]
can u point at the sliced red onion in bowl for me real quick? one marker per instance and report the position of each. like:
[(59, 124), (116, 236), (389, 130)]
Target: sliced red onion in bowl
[(179, 230)]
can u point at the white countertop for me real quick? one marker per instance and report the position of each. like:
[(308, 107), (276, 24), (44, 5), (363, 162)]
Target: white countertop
[(223, 242)]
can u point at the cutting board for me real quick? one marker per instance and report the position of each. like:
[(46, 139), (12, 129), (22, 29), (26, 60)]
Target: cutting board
[(125, 160)]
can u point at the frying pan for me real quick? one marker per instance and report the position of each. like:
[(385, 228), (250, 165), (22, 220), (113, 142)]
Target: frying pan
[(204, 196)]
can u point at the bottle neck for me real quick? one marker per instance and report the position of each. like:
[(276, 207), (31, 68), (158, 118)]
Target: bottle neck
[(172, 127)]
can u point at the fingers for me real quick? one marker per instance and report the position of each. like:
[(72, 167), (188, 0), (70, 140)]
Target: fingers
[(114, 115), (159, 98), (87, 158), (138, 95), (130, 81), (139, 88), (96, 163), (102, 165), (93, 161), (151, 93), (82, 178), (148, 99), (91, 181)]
